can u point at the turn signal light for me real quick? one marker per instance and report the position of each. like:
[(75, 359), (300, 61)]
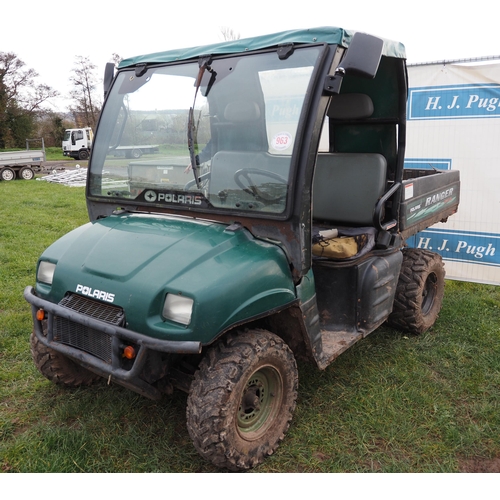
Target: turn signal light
[(40, 315), (129, 352)]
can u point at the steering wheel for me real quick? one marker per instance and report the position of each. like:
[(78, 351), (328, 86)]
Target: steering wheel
[(252, 188), (192, 182)]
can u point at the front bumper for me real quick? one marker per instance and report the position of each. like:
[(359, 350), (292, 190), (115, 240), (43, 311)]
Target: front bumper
[(118, 336)]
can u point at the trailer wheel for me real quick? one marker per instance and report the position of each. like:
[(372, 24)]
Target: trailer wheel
[(242, 399), (58, 368), (7, 174), (136, 153), (26, 173), (420, 291), (83, 154)]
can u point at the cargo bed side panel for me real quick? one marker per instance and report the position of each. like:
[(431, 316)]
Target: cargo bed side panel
[(428, 198)]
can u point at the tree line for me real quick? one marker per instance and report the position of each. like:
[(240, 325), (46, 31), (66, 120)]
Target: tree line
[(24, 113)]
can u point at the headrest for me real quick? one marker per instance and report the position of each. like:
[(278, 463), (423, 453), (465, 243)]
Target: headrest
[(242, 111), (350, 106)]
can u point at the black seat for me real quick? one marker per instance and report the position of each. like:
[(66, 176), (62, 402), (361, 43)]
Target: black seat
[(347, 187)]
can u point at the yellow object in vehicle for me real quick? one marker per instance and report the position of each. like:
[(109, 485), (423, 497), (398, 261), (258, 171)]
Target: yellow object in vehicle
[(336, 248)]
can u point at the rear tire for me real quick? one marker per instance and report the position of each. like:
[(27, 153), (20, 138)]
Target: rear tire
[(83, 154), (420, 291), (242, 399), (58, 368), (26, 173)]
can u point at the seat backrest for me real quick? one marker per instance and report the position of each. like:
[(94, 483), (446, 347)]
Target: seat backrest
[(241, 128), (350, 106), (347, 187)]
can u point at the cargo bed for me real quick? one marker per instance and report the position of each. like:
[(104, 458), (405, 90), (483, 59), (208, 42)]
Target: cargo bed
[(429, 196)]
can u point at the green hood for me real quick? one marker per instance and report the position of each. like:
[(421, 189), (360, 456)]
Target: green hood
[(137, 259)]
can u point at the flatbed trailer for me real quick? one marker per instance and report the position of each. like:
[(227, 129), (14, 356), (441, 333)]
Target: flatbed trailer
[(22, 164), (135, 151)]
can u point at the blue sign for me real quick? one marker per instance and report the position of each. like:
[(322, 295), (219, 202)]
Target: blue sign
[(460, 246), (285, 109), (454, 102), (428, 163)]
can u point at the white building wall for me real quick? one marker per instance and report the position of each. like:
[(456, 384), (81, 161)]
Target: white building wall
[(454, 122)]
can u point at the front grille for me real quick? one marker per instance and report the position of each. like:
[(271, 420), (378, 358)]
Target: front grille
[(93, 308), (83, 337)]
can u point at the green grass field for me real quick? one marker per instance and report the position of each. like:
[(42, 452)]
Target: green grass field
[(392, 403), (54, 154)]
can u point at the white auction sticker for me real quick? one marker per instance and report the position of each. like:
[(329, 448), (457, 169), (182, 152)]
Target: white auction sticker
[(282, 141), (409, 191)]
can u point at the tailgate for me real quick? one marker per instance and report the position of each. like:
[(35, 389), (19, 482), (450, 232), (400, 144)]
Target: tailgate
[(428, 197)]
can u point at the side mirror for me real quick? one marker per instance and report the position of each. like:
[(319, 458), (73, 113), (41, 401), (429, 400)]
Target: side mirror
[(363, 56), (362, 59), (109, 74)]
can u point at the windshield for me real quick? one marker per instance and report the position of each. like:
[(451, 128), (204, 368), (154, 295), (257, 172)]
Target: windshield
[(216, 135)]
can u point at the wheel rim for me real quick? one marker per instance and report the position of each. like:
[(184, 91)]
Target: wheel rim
[(7, 174), (429, 293), (259, 403), (27, 174)]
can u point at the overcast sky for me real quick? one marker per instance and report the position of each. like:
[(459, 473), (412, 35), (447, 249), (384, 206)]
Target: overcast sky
[(50, 34)]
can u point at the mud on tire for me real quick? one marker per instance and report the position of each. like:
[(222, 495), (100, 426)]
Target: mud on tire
[(242, 399), (58, 368), (419, 293)]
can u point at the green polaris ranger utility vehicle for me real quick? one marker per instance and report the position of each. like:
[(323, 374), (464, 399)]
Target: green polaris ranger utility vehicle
[(269, 227)]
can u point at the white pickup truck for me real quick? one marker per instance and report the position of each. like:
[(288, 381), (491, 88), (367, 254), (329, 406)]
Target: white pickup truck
[(77, 143)]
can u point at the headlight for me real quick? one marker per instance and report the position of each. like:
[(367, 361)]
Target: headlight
[(45, 272), (178, 308)]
